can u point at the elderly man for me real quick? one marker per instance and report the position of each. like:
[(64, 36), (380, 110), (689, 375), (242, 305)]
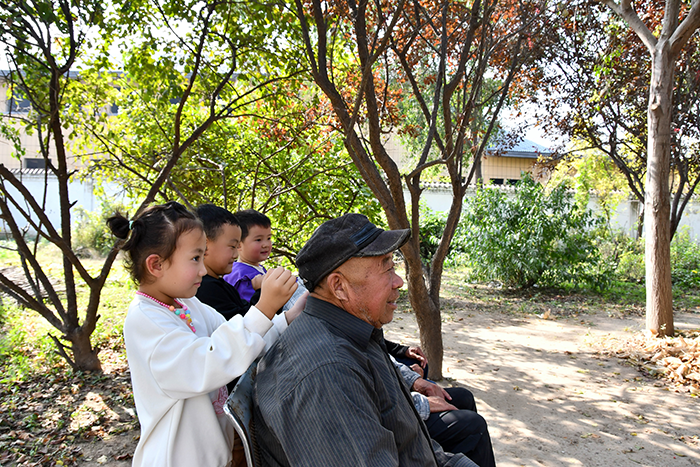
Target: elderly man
[(327, 392)]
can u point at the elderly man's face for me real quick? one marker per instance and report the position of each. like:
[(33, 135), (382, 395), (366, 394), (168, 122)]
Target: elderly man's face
[(374, 288)]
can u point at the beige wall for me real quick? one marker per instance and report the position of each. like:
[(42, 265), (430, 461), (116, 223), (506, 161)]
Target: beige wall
[(30, 143), (493, 167), (506, 168)]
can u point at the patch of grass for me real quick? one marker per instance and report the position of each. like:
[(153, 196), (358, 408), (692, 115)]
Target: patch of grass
[(24, 351), (46, 407), (621, 298), (625, 293), (8, 252)]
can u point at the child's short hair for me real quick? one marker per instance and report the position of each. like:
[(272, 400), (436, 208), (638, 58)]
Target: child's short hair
[(249, 218), (214, 218), (154, 231)]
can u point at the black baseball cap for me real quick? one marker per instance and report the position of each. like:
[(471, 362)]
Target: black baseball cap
[(340, 239)]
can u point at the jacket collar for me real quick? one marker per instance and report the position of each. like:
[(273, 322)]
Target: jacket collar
[(343, 323)]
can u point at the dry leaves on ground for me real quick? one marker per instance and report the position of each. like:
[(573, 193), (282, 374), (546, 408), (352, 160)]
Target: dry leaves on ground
[(676, 359), (43, 418)]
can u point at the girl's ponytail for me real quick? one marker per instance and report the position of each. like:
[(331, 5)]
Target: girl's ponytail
[(119, 225), (154, 231)]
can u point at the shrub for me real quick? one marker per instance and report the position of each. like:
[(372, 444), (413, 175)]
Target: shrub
[(431, 229), (91, 231), (685, 260), (624, 255), (532, 237)]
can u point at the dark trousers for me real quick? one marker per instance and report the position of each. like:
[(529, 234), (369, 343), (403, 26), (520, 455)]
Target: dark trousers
[(462, 430)]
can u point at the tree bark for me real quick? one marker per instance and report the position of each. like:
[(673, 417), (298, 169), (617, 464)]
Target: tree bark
[(427, 313), (657, 201)]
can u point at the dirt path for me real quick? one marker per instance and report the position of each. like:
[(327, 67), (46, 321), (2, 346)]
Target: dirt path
[(551, 400)]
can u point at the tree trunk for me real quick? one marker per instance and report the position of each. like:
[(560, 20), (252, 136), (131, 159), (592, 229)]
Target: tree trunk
[(427, 312), (657, 203), (84, 355)]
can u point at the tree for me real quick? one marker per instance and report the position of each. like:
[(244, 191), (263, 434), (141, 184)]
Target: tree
[(269, 153), (596, 68), (274, 159), (664, 49), (47, 41), (366, 57)]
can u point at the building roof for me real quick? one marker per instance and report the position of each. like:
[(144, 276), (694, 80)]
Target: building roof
[(525, 149)]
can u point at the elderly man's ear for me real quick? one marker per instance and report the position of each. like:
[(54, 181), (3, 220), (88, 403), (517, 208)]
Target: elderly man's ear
[(337, 285)]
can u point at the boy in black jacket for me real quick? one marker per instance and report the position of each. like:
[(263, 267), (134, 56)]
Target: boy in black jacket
[(223, 235)]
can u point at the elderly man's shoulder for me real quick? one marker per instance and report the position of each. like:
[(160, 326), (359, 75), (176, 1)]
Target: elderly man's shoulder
[(307, 337), (307, 346)]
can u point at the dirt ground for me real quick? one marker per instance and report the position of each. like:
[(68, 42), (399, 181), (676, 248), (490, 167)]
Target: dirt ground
[(551, 399), (549, 396)]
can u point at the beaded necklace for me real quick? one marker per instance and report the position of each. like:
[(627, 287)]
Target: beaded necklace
[(184, 314)]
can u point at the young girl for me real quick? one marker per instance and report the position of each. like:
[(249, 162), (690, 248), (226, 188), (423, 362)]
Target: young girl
[(181, 352)]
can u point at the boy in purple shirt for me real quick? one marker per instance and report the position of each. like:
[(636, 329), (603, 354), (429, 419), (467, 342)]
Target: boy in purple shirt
[(254, 248)]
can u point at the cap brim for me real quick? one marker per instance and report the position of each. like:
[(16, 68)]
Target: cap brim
[(386, 242)]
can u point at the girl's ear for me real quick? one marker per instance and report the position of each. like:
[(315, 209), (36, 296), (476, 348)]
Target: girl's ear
[(154, 265)]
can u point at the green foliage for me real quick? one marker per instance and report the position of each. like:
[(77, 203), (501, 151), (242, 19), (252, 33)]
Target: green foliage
[(91, 230), (532, 238), (22, 352), (625, 256), (591, 171), (685, 260), (431, 229), (630, 263), (8, 251)]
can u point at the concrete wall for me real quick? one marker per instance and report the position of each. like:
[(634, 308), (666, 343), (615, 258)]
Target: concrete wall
[(82, 193), (438, 198)]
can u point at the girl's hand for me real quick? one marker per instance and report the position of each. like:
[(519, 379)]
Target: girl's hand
[(278, 285)]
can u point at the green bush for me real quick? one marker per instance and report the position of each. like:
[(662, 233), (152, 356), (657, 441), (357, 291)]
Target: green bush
[(431, 229), (685, 260), (626, 257), (91, 231), (532, 238)]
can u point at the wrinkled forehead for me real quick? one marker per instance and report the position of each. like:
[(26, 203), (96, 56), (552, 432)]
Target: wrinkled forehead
[(368, 264)]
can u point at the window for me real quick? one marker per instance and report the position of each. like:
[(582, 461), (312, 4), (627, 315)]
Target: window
[(34, 163)]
